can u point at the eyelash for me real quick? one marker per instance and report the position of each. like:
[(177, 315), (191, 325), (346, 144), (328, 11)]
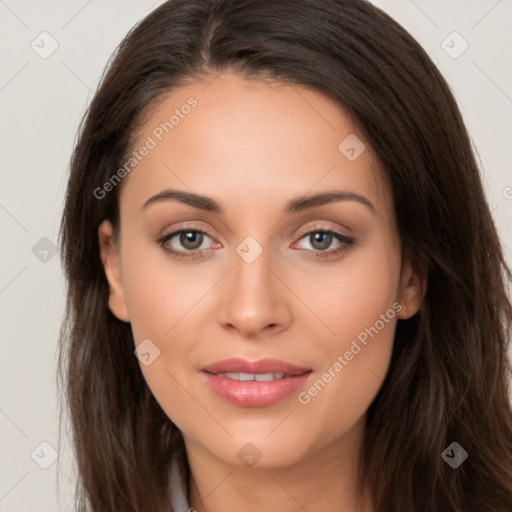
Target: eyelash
[(346, 243)]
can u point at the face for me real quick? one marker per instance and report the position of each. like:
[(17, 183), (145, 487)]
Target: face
[(256, 272)]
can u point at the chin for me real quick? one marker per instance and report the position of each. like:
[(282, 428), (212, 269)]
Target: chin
[(260, 451)]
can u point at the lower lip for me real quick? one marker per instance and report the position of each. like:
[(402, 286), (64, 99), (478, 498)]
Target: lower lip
[(253, 393)]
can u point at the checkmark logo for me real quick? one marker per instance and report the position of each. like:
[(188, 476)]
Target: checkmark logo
[(249, 249), (44, 45), (249, 455), (146, 352), (454, 45), (44, 250), (454, 455), (351, 147), (44, 455)]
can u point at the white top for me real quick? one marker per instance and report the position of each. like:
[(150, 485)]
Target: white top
[(178, 488)]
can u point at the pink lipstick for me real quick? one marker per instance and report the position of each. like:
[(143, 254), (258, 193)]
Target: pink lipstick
[(254, 383)]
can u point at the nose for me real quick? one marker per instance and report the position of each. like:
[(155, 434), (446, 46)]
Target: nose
[(254, 299)]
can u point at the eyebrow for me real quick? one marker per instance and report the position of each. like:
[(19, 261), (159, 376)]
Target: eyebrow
[(297, 204)]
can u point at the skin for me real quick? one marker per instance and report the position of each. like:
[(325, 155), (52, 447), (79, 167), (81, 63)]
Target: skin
[(252, 146)]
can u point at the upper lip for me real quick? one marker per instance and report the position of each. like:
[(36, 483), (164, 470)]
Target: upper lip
[(238, 364)]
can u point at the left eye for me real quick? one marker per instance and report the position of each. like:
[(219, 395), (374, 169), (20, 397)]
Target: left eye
[(322, 239)]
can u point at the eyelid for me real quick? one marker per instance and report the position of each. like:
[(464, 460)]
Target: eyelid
[(318, 226), (344, 241), (185, 227)]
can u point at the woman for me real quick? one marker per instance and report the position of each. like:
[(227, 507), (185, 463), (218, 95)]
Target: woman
[(286, 290)]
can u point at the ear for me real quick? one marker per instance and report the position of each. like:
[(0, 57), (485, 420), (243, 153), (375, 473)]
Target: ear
[(412, 289), (109, 253)]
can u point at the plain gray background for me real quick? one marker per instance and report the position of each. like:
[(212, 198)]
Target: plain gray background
[(42, 99)]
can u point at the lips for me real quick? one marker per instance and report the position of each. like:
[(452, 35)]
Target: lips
[(254, 383), (263, 366)]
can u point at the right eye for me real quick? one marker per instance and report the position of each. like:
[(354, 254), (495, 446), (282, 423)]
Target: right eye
[(190, 239)]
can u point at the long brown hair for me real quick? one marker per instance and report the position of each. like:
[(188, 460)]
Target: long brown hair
[(449, 374)]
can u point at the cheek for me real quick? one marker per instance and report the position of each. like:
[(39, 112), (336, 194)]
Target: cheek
[(352, 296), (160, 303), (361, 311), (163, 302), (157, 293)]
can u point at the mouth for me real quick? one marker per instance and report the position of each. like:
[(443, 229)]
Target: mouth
[(237, 365), (259, 377), (254, 383)]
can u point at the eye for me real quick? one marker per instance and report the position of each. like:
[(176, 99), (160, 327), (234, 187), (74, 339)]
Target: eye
[(188, 243), (320, 239), (189, 239)]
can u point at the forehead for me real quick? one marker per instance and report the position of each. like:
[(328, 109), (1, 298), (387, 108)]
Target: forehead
[(248, 140)]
